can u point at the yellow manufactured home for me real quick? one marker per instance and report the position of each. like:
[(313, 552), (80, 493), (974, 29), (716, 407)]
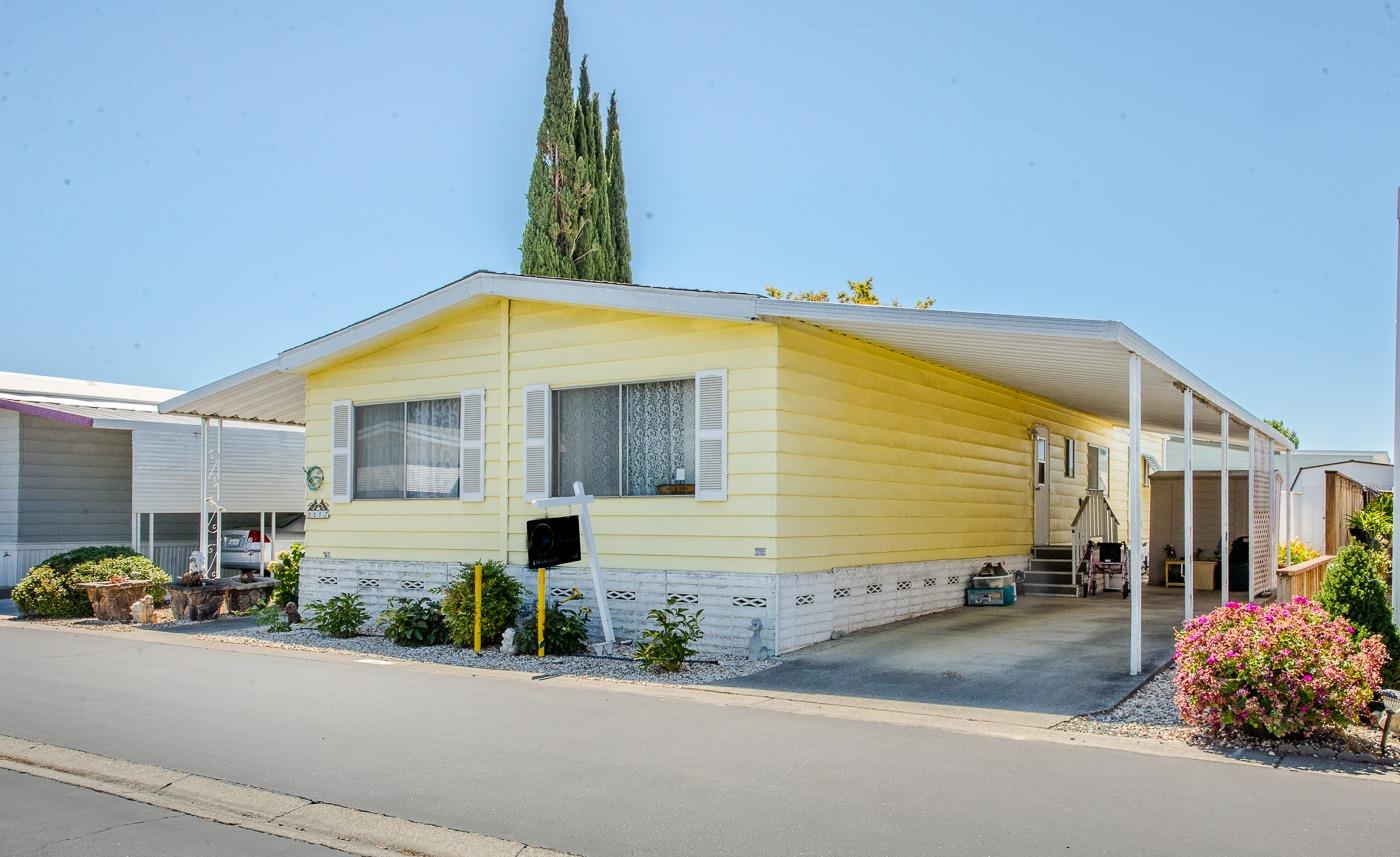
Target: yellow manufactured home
[(818, 468)]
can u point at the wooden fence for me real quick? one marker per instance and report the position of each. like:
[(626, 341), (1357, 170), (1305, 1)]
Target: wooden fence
[(1345, 496), (1302, 578)]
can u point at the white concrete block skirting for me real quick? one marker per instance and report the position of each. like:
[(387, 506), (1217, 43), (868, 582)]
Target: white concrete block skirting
[(800, 609)]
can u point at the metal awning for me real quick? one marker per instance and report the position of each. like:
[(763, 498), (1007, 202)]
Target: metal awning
[(1080, 364)]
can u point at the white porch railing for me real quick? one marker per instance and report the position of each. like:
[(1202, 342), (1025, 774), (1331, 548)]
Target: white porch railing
[(1094, 522)]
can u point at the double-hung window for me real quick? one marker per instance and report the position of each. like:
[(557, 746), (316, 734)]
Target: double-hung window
[(408, 450), (624, 440)]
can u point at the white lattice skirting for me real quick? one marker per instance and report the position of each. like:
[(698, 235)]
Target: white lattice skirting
[(803, 608)]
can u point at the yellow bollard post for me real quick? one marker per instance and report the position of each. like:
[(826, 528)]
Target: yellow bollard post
[(476, 624), (539, 611)]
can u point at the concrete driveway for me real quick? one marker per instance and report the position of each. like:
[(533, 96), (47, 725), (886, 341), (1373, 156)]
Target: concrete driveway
[(1046, 656)]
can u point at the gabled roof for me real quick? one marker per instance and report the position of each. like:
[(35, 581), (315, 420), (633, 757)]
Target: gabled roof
[(1082, 364)]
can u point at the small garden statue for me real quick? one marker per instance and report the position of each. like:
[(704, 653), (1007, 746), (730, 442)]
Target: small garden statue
[(508, 646), (194, 574), (757, 651), (293, 617), (143, 610)]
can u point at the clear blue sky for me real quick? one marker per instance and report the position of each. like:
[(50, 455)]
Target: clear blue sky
[(191, 187)]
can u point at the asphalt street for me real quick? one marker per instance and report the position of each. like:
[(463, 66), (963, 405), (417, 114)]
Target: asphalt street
[(42, 817), (597, 769)]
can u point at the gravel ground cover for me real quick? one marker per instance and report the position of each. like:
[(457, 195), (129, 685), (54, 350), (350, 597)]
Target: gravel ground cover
[(620, 667), (1151, 712)]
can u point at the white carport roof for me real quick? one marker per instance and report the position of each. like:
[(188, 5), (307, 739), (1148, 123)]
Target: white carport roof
[(1082, 364)]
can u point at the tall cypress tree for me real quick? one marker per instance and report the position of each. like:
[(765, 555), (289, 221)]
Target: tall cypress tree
[(593, 256), (551, 230), (617, 198)]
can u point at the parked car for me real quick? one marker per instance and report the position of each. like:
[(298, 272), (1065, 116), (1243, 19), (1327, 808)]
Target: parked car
[(245, 549), (253, 549)]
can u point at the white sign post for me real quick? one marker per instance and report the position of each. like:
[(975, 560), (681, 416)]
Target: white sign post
[(581, 500)]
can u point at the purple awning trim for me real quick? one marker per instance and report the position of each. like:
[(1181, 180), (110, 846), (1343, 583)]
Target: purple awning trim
[(47, 413)]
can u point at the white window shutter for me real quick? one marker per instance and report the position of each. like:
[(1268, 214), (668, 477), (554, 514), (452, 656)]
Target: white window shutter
[(711, 434), (473, 485), (342, 450), (536, 453)]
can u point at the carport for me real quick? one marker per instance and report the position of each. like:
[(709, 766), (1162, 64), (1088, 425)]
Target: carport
[(1101, 368), (1043, 659)]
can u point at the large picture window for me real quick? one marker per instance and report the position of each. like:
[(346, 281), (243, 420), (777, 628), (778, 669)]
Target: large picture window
[(408, 450), (624, 440)]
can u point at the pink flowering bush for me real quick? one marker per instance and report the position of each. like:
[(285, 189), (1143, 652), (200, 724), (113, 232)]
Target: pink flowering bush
[(1284, 669)]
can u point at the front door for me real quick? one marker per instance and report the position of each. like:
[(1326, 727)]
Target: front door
[(1040, 437)]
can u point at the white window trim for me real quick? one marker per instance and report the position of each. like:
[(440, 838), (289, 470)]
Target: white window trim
[(406, 403), (621, 433)]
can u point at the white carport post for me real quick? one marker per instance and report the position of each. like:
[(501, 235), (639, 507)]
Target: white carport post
[(1188, 474), (1287, 504), (204, 489), (1135, 511), (1395, 408), (1224, 507), (151, 534), (1249, 499), (262, 535), (218, 570)]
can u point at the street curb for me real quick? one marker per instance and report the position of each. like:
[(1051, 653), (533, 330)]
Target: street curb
[(345, 829)]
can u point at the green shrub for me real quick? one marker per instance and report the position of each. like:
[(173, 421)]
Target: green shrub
[(270, 616), (338, 616), (565, 630), (500, 602), (1302, 552), (414, 622), (50, 590), (286, 570), (1353, 589), (668, 644)]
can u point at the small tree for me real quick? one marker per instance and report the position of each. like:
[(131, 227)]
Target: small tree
[(1285, 431), (856, 292)]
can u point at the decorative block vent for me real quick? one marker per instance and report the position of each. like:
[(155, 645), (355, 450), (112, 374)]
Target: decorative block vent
[(805, 600), (561, 591), (954, 580), (369, 581), (685, 597), (745, 601), (328, 581), (930, 581), (412, 584), (874, 589), (622, 595), (902, 585), (842, 592)]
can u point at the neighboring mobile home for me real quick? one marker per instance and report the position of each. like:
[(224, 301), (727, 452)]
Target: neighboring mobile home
[(93, 463), (819, 467)]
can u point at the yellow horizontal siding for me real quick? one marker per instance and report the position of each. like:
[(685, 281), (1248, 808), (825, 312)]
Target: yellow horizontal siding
[(840, 452), (887, 458), (560, 346)]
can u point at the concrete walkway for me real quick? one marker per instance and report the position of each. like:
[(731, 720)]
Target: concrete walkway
[(1047, 656)]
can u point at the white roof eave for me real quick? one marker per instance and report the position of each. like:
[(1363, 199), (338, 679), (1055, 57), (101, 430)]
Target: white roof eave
[(274, 391)]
